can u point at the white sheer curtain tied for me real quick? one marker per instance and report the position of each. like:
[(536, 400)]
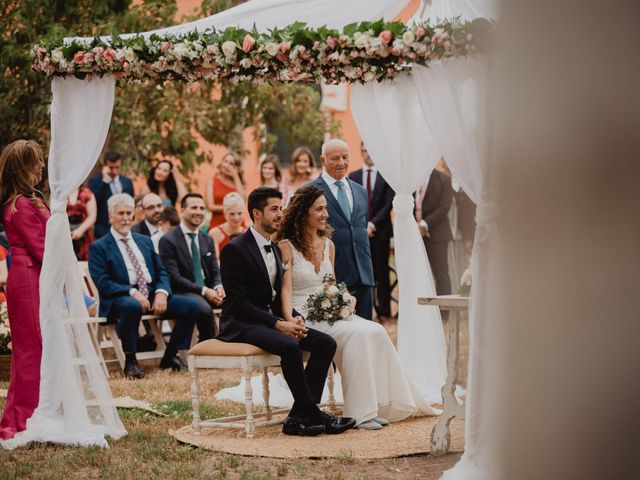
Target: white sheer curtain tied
[(392, 126), (75, 406)]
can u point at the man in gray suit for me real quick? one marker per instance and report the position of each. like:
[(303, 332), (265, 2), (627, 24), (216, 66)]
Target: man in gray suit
[(348, 215)]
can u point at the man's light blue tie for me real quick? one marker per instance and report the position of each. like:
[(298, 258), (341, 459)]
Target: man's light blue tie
[(343, 200)]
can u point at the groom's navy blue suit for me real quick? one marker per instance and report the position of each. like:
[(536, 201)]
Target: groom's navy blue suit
[(353, 264), (250, 312)]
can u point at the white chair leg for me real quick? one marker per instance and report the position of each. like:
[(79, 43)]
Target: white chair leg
[(265, 391), (248, 402), (330, 385), (112, 335), (195, 394)]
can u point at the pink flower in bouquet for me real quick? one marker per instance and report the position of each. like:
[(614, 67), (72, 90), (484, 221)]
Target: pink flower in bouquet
[(420, 32), (248, 43), (165, 46), (88, 58), (109, 54), (385, 36), (78, 58), (331, 42)]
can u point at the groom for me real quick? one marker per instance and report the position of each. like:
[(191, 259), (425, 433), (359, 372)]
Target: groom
[(347, 207), (252, 271)]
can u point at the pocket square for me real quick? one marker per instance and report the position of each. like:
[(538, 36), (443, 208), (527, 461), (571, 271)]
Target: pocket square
[(208, 254)]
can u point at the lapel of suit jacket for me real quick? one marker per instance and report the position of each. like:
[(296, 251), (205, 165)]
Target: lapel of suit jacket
[(202, 245), (276, 253), (117, 255), (331, 199), (254, 250)]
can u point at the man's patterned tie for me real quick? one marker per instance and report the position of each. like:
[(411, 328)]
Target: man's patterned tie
[(140, 281)]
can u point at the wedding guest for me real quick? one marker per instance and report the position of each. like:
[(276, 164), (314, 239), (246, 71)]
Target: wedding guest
[(379, 228), (234, 222), (152, 207), (301, 170), (162, 181), (132, 281), (347, 207), (139, 211), (433, 201), (189, 257), (270, 174), (103, 186), (169, 219), (25, 217), (82, 211), (228, 179)]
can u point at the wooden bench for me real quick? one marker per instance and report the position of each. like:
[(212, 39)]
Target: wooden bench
[(221, 355)]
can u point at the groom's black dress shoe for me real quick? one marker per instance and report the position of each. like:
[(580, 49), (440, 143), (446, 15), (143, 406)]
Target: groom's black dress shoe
[(173, 362), (335, 425), (302, 426)]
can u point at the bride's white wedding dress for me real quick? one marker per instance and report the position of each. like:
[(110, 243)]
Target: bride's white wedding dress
[(373, 381)]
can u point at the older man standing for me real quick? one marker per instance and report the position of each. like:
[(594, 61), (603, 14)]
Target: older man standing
[(348, 215)]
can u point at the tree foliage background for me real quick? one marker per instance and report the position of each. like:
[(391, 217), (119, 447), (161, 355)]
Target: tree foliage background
[(149, 121)]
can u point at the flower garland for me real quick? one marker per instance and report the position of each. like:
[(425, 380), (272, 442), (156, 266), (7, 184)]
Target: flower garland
[(362, 52)]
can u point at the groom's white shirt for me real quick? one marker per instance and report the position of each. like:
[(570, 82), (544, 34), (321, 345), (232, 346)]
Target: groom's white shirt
[(334, 188), (268, 257)]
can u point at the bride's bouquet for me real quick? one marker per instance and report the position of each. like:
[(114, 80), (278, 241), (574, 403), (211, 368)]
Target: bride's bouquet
[(330, 303)]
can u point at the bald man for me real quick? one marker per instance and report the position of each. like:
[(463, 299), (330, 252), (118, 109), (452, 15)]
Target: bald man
[(152, 207), (348, 215)]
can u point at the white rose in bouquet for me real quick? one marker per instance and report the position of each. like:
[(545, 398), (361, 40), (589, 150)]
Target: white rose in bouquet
[(229, 48), (408, 37), (326, 303), (272, 48)]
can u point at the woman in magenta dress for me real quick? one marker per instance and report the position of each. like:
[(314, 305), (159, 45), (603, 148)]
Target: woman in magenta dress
[(25, 217)]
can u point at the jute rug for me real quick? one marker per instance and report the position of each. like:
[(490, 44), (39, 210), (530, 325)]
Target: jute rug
[(409, 437)]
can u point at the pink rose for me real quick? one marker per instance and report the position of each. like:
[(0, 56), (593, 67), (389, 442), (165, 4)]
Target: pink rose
[(78, 58), (331, 42), (109, 54), (285, 46), (247, 43), (385, 36), (292, 75), (420, 32), (88, 58), (165, 46)]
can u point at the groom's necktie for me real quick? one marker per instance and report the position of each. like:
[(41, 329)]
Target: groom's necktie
[(195, 260), (343, 201)]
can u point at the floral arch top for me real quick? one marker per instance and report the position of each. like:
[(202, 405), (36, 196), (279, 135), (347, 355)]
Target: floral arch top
[(361, 52)]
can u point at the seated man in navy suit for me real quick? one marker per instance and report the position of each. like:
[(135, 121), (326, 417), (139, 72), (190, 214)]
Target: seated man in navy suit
[(132, 281), (190, 259)]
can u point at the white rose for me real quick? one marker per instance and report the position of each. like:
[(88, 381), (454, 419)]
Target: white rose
[(369, 76), (229, 48), (57, 55), (272, 48), (179, 50), (325, 303), (408, 37), (129, 54), (346, 296), (360, 39), (332, 290), (246, 62)]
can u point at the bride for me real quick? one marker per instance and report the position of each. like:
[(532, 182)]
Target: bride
[(375, 387)]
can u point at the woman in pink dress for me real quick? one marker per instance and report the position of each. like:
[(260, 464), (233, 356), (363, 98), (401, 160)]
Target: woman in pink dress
[(25, 217)]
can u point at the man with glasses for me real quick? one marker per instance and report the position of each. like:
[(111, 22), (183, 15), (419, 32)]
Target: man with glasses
[(152, 207)]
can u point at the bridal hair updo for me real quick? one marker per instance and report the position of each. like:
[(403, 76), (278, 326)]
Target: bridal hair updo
[(294, 222)]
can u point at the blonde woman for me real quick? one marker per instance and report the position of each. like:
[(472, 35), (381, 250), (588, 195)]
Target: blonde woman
[(233, 211), (301, 172), (228, 179)]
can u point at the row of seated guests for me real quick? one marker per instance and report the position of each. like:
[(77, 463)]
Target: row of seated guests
[(182, 282)]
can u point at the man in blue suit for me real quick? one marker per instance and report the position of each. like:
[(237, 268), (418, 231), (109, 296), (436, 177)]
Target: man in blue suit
[(103, 186), (132, 281), (348, 215)]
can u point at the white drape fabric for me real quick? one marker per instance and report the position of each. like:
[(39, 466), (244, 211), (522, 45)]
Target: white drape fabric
[(75, 405), (266, 14), (392, 126), (454, 97)]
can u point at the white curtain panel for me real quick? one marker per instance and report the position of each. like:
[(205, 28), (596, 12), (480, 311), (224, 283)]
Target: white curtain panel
[(454, 98), (75, 406), (393, 128)]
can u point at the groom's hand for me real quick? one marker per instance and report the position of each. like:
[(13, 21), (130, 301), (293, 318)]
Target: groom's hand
[(292, 329), (299, 320)]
